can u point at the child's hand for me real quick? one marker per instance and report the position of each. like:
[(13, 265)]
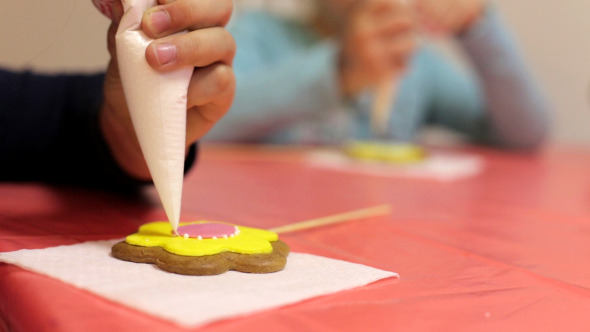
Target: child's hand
[(448, 16), (378, 41), (208, 47)]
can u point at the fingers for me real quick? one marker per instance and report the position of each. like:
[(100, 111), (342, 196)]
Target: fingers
[(384, 19), (117, 11), (180, 15), (387, 42), (207, 46), (449, 16), (198, 48), (383, 9), (390, 58), (396, 28), (208, 84), (378, 43), (400, 52), (399, 36), (209, 97)]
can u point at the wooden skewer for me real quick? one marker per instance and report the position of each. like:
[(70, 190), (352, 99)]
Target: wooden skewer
[(347, 216)]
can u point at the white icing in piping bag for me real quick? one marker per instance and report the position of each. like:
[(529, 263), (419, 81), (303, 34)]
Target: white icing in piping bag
[(157, 103)]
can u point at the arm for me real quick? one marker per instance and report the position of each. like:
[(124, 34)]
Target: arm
[(286, 75), (281, 78), (512, 111), (279, 96), (50, 131)]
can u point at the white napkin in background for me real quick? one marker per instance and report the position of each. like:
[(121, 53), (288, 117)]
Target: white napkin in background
[(157, 104), (444, 167), (190, 300)]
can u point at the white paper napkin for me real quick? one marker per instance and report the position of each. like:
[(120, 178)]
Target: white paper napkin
[(157, 104), (444, 167), (188, 300)]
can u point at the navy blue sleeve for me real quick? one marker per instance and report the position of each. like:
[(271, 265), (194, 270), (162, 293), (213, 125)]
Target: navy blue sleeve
[(49, 132)]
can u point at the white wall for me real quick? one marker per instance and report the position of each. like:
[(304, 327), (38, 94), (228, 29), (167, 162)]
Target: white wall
[(555, 35), (52, 35)]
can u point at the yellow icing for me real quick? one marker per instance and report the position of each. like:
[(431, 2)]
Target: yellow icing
[(248, 241), (390, 152)]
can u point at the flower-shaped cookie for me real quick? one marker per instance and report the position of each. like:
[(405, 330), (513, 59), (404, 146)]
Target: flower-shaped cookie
[(399, 153), (204, 248)]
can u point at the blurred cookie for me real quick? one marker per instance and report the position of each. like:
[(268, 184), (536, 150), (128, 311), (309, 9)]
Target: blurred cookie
[(204, 248)]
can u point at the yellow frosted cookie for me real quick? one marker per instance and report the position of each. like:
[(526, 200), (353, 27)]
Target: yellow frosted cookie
[(204, 248), (385, 152)]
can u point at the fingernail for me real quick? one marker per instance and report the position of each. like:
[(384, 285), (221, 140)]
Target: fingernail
[(159, 21), (165, 53)]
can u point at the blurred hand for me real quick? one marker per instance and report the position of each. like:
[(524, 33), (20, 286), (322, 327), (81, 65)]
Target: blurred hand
[(207, 46), (378, 41), (448, 16)]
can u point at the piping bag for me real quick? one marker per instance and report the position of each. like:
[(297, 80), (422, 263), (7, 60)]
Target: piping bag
[(157, 104)]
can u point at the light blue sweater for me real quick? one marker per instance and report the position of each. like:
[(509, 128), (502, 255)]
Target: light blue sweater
[(287, 90)]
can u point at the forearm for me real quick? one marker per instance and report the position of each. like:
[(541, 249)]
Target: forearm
[(44, 117), (51, 132), (518, 112)]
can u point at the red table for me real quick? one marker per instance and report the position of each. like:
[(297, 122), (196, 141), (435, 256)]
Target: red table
[(506, 250)]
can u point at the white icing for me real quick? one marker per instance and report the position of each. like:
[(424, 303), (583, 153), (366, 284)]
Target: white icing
[(157, 105)]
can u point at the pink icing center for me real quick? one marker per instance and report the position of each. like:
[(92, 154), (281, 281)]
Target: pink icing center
[(208, 230)]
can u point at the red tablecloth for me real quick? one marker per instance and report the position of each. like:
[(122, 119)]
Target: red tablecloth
[(506, 250)]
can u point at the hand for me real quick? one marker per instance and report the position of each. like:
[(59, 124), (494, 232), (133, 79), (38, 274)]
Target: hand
[(207, 46), (378, 42), (448, 16)]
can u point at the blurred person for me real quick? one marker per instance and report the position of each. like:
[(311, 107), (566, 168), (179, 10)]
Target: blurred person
[(312, 83), (77, 128)]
